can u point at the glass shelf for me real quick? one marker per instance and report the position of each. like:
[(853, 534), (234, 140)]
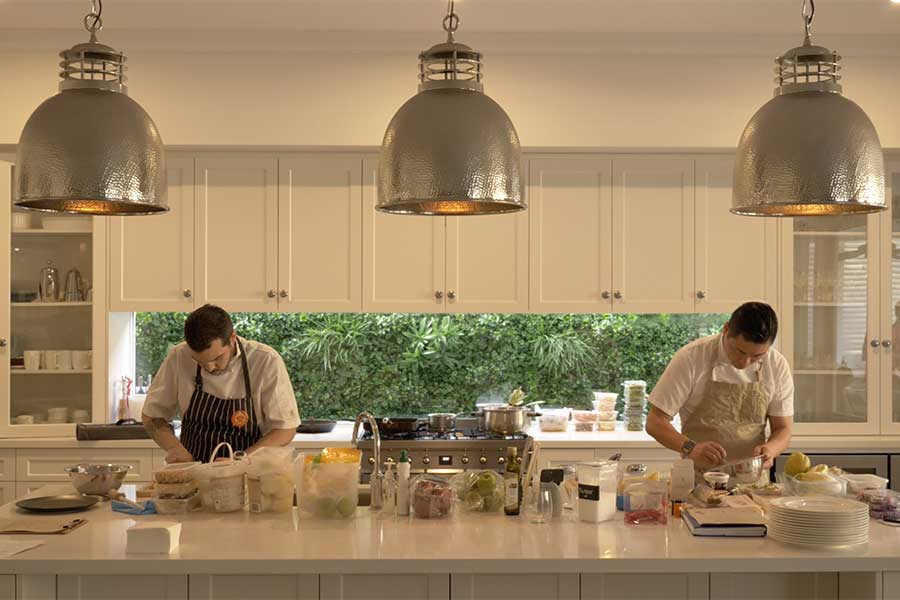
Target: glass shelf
[(50, 304), (852, 234), (15, 371), (829, 304), (52, 232)]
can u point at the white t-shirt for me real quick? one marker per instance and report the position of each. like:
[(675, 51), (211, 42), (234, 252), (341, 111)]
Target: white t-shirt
[(273, 396), (681, 387)]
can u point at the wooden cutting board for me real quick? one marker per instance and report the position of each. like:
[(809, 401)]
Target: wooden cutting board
[(41, 526)]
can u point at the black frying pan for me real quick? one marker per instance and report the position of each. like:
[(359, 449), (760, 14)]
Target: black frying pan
[(316, 426), (393, 425)]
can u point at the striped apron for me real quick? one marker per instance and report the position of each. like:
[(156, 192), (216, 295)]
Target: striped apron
[(210, 420)]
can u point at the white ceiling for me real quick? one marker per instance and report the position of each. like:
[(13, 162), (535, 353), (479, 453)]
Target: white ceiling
[(855, 17)]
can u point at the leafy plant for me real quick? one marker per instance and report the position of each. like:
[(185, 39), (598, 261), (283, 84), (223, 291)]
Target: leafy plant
[(561, 353), (334, 342), (432, 340)]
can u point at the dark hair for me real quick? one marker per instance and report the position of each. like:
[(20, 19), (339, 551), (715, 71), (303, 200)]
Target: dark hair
[(205, 325), (754, 321)]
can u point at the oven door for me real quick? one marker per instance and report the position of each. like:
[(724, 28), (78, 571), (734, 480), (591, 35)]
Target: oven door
[(871, 464)]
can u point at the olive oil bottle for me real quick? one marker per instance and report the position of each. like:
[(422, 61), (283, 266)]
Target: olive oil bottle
[(512, 485)]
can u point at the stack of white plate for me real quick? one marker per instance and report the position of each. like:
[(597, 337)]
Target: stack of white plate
[(820, 521)]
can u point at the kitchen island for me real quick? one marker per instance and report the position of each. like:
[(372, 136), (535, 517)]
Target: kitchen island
[(242, 555)]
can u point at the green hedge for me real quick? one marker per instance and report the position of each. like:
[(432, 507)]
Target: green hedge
[(391, 364)]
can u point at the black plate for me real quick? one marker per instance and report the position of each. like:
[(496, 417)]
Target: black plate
[(316, 426), (53, 504)]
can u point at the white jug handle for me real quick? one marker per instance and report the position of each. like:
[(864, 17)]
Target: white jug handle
[(212, 457)]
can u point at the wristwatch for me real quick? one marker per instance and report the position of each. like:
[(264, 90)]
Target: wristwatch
[(687, 448)]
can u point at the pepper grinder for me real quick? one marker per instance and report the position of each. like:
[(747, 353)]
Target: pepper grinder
[(48, 285)]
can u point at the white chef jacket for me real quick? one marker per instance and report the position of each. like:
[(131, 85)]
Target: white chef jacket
[(680, 389), (273, 396)]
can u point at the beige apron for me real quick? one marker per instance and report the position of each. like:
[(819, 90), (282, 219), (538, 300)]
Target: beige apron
[(732, 414)]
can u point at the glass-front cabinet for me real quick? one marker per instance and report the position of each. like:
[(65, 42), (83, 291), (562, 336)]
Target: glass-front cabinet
[(830, 315), (890, 294), (49, 326)]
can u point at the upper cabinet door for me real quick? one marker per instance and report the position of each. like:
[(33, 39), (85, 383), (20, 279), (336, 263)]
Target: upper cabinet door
[(403, 257), (237, 232), (320, 231), (151, 259), (653, 236), (487, 263), (570, 203), (736, 257)]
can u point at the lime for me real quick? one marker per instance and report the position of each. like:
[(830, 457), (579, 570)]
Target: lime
[(346, 506), (485, 484), (327, 507)]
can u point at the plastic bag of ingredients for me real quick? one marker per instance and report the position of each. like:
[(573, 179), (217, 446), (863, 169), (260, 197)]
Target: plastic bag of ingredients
[(270, 484), (222, 483), (328, 483), (813, 483), (478, 491), (430, 497)]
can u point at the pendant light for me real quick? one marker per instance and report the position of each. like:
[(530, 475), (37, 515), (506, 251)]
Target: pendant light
[(808, 151), (90, 148), (450, 149)]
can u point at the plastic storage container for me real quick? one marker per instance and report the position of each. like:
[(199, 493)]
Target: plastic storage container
[(327, 490), (585, 420), (857, 483), (597, 491), (881, 502), (177, 506), (647, 502), (176, 473), (635, 392), (828, 485), (605, 400), (554, 419), (175, 490), (270, 486), (430, 497)]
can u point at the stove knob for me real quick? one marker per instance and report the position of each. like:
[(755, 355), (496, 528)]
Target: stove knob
[(483, 460), (426, 461), (465, 460), (371, 460), (501, 461), (390, 459), (518, 460)]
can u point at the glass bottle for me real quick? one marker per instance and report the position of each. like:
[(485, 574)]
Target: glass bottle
[(512, 487)]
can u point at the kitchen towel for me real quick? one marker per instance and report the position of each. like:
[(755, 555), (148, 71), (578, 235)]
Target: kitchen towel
[(148, 509), (11, 547), (40, 526)]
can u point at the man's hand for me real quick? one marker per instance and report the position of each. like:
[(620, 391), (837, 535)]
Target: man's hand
[(708, 454), (178, 454), (768, 452)]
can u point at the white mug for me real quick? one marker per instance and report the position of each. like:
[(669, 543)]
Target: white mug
[(32, 360), (81, 416), (64, 360), (51, 360), (81, 360), (25, 420)]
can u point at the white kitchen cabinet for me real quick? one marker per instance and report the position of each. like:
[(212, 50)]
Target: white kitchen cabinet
[(320, 204), (242, 587), (7, 492), (384, 587), (27, 488), (553, 458), (889, 305), (773, 586), (151, 259), (653, 235), (659, 586), (236, 232), (517, 586), (46, 465), (116, 587), (570, 201), (7, 587), (35, 587), (736, 258)]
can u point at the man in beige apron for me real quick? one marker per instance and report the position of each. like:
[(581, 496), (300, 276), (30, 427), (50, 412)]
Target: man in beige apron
[(727, 388)]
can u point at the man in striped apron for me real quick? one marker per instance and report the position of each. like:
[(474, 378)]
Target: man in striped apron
[(226, 389)]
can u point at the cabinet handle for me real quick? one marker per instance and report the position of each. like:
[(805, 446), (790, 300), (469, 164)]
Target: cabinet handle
[(283, 294), (187, 293), (886, 343), (451, 295), (2, 342), (604, 294), (701, 294), (617, 295), (271, 294), (874, 343), (438, 294)]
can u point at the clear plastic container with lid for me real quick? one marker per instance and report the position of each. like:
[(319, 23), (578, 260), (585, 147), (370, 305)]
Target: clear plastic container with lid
[(270, 484), (554, 419), (596, 491), (647, 502)]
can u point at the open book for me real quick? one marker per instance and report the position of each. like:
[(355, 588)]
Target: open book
[(725, 522)]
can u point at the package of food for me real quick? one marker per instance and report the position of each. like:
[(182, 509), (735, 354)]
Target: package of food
[(857, 483), (646, 502), (336, 455), (175, 490), (430, 497), (605, 400), (554, 419), (606, 425), (176, 473), (479, 491), (883, 504), (813, 483), (326, 490), (270, 484), (177, 506)]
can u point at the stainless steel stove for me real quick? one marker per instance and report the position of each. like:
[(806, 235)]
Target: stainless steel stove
[(445, 453)]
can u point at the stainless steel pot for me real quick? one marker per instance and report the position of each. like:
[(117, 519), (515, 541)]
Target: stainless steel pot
[(441, 422), (507, 420)]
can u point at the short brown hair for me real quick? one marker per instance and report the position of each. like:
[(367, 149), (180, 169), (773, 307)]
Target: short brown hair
[(205, 325), (754, 321)]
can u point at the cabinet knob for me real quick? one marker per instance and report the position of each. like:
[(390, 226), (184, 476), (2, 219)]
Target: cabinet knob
[(617, 295), (451, 295), (605, 295), (187, 293), (271, 294), (283, 294), (701, 294), (874, 343), (886, 343), (2, 342), (438, 294)]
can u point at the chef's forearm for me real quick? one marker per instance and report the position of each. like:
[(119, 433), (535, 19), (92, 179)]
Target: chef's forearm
[(781, 429), (659, 425), (161, 432), (276, 437)]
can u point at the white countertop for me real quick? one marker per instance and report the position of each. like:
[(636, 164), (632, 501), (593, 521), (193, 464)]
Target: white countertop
[(619, 439), (244, 543)]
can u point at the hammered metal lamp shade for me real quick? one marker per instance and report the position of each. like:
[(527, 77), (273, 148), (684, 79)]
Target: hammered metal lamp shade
[(93, 152), (450, 152)]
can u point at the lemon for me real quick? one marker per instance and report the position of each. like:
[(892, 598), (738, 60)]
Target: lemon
[(796, 464), (654, 476), (813, 476), (820, 469)]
